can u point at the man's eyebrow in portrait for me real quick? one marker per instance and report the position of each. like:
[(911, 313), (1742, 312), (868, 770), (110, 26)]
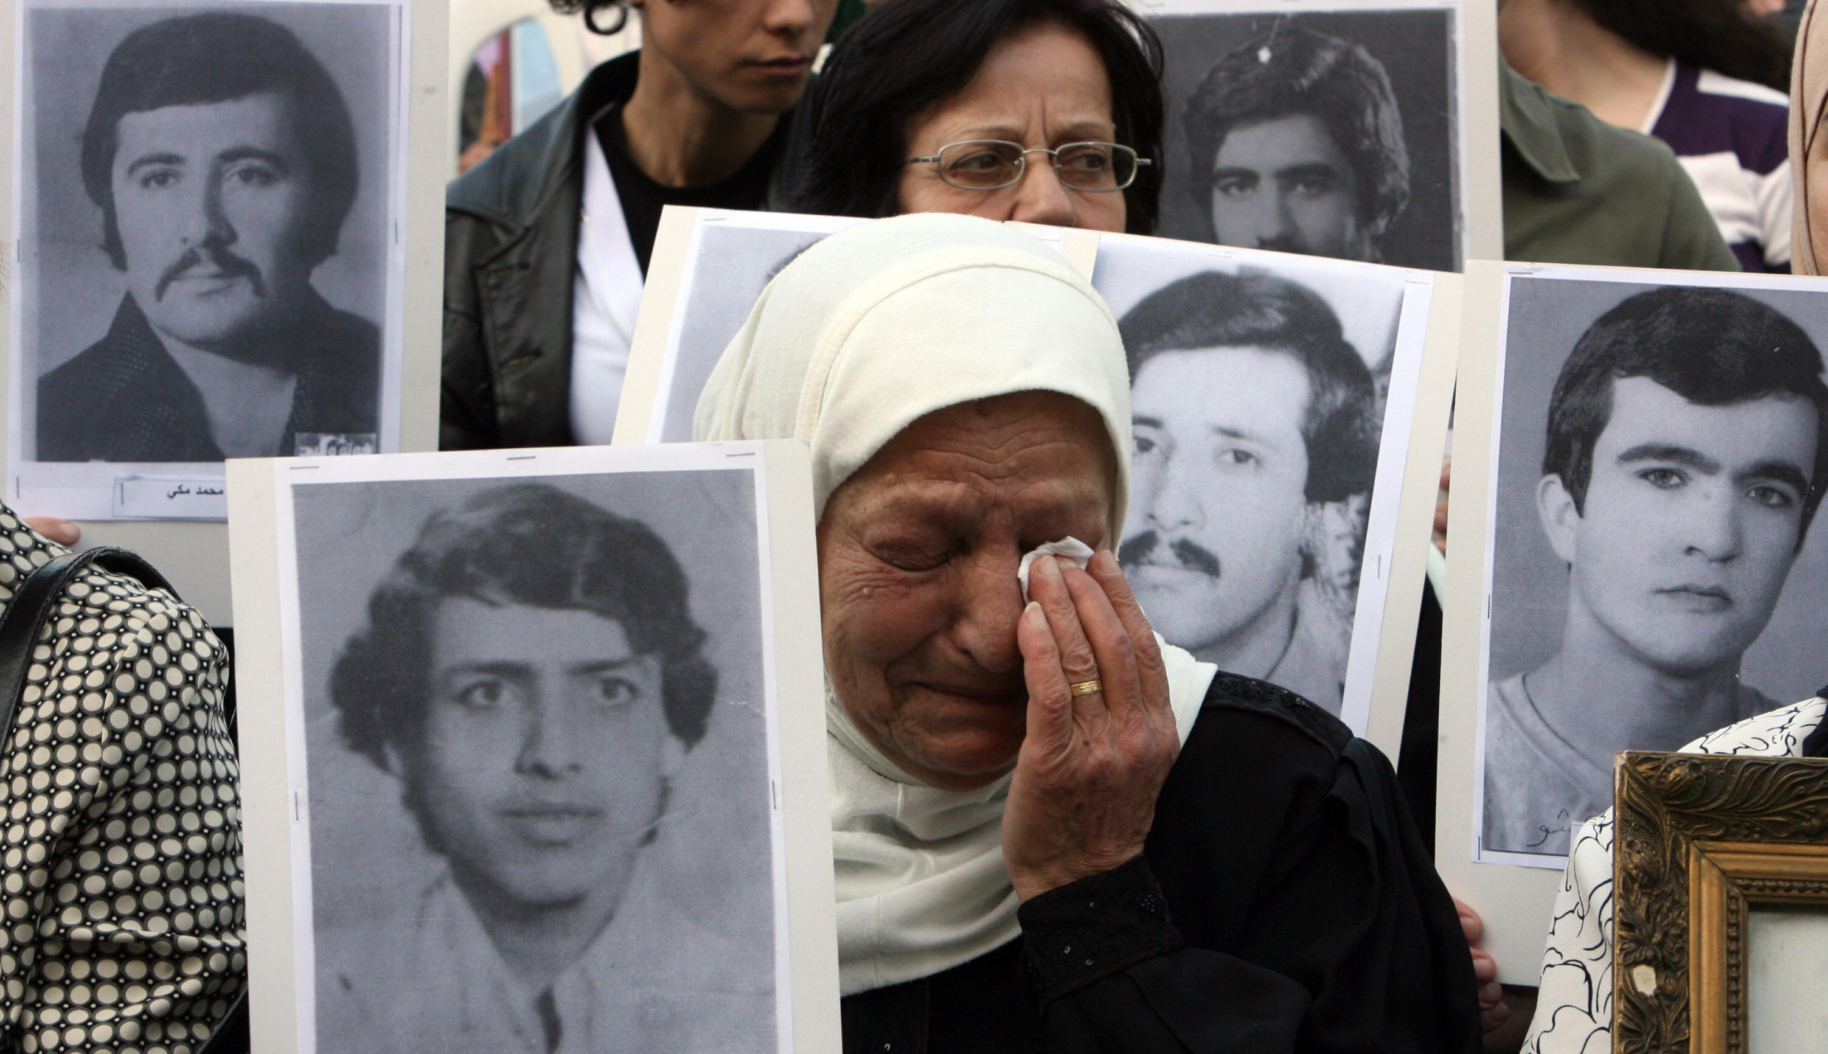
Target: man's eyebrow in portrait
[(239, 153), (1310, 170), (1306, 170), (1227, 431), (155, 159), (255, 153), (1679, 455), (510, 669), (1780, 471), (609, 665)]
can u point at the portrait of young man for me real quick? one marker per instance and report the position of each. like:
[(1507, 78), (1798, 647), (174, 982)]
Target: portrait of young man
[(1302, 132), (1298, 138), (1687, 437), (221, 157), (1256, 446), (532, 680)]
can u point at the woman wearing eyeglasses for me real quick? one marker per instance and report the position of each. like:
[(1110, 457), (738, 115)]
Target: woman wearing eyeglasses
[(1046, 111)]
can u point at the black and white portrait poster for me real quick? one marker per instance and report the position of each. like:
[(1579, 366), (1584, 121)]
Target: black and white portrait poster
[(209, 200), (716, 263), (708, 269), (1654, 571), (534, 749), (1325, 127), (1271, 398)]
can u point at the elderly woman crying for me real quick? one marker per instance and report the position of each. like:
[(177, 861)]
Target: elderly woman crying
[(1053, 831)]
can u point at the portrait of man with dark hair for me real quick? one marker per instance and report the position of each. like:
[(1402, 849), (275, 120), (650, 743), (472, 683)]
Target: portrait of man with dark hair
[(1686, 453), (1256, 445), (1299, 139), (222, 158), (1322, 132), (531, 677)]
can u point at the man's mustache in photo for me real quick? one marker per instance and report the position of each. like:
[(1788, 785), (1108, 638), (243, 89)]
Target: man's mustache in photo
[(1141, 546), (216, 262)]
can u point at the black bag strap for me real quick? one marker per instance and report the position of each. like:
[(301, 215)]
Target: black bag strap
[(232, 1036), (20, 624), (31, 604)]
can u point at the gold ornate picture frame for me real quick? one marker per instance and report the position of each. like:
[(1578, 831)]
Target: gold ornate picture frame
[(1700, 841)]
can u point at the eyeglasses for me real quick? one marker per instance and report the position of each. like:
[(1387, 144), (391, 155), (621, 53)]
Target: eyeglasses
[(987, 164)]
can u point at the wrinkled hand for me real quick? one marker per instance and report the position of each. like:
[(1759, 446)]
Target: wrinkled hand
[(63, 532), (1083, 795), (1493, 1012)]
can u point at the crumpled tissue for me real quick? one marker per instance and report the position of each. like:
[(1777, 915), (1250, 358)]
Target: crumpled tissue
[(1068, 548)]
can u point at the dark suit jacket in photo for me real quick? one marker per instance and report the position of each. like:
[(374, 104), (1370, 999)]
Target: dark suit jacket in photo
[(125, 399)]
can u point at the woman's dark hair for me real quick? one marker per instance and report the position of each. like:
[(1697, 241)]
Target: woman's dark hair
[(530, 544), (1715, 35), (908, 54)]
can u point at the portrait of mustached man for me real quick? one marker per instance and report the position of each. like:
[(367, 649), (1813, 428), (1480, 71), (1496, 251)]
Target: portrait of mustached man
[(222, 157), (1255, 449)]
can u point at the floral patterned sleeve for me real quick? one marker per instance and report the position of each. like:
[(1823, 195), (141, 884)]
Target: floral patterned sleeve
[(123, 924), (1574, 1003)]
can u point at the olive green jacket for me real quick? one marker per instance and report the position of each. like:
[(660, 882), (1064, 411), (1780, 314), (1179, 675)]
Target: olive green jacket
[(1580, 191)]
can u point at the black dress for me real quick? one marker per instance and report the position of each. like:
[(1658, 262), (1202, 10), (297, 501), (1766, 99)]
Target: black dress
[(1284, 902)]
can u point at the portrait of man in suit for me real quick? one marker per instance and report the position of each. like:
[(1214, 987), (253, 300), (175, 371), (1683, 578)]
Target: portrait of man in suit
[(222, 157)]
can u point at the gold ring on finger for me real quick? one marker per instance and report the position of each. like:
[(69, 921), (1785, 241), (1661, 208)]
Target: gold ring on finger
[(1086, 687)]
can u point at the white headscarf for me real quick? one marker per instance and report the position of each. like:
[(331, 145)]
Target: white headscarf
[(864, 333)]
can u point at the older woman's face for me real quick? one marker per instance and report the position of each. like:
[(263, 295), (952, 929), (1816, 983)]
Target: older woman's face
[(1041, 87), (917, 574)]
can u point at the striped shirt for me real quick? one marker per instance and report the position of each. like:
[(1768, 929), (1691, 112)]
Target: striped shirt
[(1731, 137)]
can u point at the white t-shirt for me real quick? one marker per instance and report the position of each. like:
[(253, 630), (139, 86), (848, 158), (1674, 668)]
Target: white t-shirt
[(605, 301)]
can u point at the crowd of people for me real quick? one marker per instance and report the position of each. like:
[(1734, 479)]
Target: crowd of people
[(1054, 830)]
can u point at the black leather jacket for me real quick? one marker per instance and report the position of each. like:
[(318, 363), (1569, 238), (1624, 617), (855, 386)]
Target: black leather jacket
[(510, 252)]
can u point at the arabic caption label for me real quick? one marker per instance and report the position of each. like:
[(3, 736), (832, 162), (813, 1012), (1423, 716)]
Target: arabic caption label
[(137, 497)]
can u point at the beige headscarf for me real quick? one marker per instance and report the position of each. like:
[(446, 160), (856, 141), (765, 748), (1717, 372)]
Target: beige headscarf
[(864, 333), (1808, 96)]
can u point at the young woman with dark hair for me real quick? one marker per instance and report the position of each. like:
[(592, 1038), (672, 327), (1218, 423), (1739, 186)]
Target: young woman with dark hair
[(1705, 76), (955, 105)]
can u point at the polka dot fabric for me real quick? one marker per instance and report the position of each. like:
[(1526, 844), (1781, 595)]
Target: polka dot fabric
[(121, 840)]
